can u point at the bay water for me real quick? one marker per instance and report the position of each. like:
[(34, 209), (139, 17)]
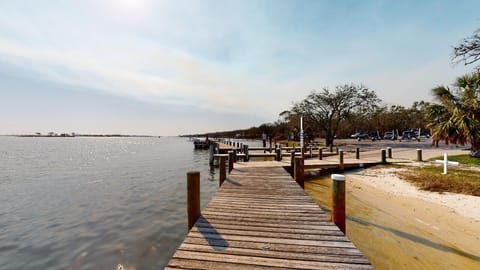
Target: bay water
[(94, 202)]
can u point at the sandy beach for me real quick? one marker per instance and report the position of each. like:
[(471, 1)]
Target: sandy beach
[(398, 226)]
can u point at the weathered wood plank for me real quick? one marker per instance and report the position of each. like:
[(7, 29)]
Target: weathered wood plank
[(261, 219)]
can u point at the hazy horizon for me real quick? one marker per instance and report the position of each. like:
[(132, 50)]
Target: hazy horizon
[(181, 67)]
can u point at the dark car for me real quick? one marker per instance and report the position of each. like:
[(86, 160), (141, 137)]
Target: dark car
[(409, 135), (359, 136), (390, 135)]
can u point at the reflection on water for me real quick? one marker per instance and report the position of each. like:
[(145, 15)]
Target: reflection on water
[(95, 203), (383, 230)]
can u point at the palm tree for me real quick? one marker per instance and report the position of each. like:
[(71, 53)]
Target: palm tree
[(457, 118)]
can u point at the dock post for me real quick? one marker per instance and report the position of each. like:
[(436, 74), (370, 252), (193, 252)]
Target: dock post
[(331, 148), (298, 171), (279, 154), (247, 157), (389, 152), (320, 153), (336, 150), (292, 164), (340, 166), (419, 155), (223, 170), (338, 201), (384, 156), (241, 147), (310, 150), (230, 161), (357, 153), (193, 198), (234, 155), (210, 154)]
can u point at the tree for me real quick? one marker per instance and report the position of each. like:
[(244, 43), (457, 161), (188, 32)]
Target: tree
[(457, 118), (469, 49), (326, 110)]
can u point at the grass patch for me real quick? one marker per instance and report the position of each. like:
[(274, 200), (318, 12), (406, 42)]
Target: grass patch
[(431, 179), (463, 159)]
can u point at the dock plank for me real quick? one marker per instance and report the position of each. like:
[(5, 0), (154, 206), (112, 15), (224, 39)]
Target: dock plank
[(261, 219)]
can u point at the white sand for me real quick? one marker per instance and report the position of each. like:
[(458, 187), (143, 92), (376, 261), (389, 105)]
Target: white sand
[(386, 180)]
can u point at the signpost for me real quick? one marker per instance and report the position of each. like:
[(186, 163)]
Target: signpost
[(445, 163)]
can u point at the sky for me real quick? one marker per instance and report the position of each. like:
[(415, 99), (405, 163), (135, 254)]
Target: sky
[(182, 67)]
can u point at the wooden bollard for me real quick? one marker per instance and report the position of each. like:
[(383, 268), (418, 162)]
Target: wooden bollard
[(223, 170), (230, 161), (193, 198), (320, 153), (278, 156), (336, 150), (331, 148), (338, 201), (310, 150), (247, 157), (357, 153), (292, 164), (234, 155), (211, 150), (340, 165), (419, 155), (384, 156), (389, 152), (298, 171)]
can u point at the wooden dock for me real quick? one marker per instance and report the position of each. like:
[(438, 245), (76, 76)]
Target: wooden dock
[(261, 219)]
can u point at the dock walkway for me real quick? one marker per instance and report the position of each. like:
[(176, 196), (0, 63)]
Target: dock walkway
[(261, 219)]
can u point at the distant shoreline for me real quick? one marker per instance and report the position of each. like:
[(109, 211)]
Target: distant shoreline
[(82, 135)]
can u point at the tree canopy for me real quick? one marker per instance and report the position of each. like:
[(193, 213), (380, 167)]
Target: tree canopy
[(325, 110), (456, 119), (468, 50)]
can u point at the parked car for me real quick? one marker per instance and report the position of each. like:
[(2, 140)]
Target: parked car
[(409, 135), (359, 136), (374, 135), (390, 135)]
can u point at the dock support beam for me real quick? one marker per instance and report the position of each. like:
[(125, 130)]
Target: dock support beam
[(193, 198), (223, 170), (419, 155), (299, 173), (338, 201), (384, 156), (230, 161), (211, 151), (340, 165)]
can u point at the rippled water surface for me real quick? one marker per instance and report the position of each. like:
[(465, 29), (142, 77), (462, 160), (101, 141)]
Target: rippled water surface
[(94, 203)]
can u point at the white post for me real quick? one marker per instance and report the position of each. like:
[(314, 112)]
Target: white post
[(445, 163), (301, 132)]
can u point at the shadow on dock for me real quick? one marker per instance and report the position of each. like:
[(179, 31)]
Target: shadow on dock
[(213, 237)]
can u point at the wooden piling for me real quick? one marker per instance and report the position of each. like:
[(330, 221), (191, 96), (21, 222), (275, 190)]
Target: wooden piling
[(336, 150), (340, 165), (223, 170), (230, 161), (278, 157), (292, 164), (338, 201), (211, 151), (310, 150), (320, 153), (357, 153), (419, 155), (331, 148), (193, 198), (383, 156), (389, 152), (298, 171)]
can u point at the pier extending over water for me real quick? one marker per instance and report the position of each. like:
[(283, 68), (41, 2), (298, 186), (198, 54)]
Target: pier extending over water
[(261, 218)]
